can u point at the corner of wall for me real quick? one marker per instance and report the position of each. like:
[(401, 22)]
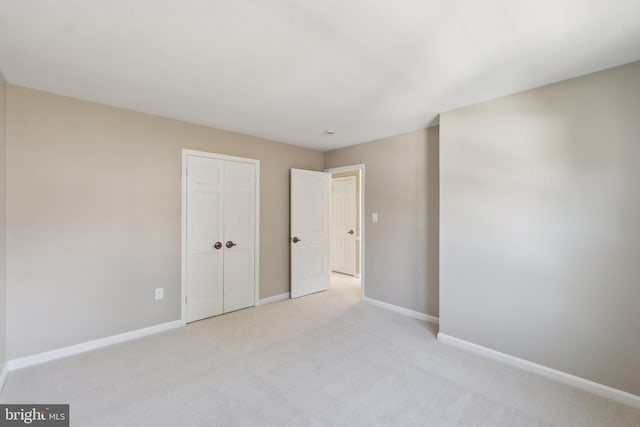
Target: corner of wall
[(402, 188)]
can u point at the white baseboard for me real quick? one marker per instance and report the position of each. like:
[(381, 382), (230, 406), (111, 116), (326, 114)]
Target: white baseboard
[(3, 375), (274, 298), (357, 275), (563, 377), (395, 308), (36, 359)]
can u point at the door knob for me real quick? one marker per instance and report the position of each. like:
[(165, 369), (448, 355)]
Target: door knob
[(296, 240), (350, 232), (218, 245), (230, 244)]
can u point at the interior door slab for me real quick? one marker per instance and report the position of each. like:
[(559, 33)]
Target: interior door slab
[(310, 266), (204, 229), (239, 232)]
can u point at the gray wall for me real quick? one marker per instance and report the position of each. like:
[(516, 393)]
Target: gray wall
[(540, 226), (94, 216), (401, 185), (3, 218)]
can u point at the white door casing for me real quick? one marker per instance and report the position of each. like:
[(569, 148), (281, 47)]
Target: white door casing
[(220, 203), (310, 267), (343, 225)]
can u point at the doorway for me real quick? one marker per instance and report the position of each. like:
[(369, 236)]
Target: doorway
[(347, 227), (220, 234)]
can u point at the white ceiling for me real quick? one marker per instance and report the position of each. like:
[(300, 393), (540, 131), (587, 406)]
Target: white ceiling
[(289, 69)]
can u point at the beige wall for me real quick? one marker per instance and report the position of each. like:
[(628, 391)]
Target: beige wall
[(540, 231), (3, 218), (355, 174), (94, 216), (401, 185)]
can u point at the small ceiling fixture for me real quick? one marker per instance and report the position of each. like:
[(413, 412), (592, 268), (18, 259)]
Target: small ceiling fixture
[(329, 132)]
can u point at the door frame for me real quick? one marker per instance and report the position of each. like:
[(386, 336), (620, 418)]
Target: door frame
[(183, 225), (360, 167)]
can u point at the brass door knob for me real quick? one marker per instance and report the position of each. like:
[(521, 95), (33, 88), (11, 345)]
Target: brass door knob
[(218, 245), (350, 232), (230, 244), (296, 240)]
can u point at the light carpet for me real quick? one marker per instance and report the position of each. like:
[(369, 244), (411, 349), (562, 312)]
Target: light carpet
[(327, 359)]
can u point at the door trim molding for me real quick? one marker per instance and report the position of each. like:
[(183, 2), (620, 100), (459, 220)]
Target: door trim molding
[(361, 168), (183, 225)]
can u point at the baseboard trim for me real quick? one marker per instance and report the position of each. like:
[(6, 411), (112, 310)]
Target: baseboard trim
[(275, 298), (3, 375), (397, 309), (554, 374), (36, 359)]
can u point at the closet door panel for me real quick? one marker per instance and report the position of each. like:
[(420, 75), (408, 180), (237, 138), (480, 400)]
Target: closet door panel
[(205, 197), (239, 229)]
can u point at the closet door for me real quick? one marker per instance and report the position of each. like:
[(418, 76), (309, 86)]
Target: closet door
[(239, 235), (204, 262)]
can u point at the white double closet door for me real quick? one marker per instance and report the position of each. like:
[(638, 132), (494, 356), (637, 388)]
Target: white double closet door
[(220, 236)]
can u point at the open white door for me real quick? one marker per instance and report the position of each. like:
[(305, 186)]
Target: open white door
[(310, 270)]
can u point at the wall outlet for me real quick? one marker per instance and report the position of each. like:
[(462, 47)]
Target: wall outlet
[(374, 217), (159, 293)]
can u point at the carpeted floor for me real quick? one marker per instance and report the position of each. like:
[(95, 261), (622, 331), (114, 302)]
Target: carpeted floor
[(322, 360)]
